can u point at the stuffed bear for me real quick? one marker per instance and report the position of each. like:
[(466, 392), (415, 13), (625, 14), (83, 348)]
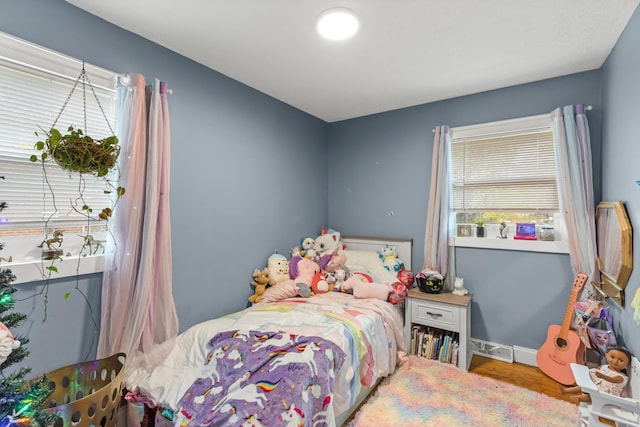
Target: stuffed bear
[(260, 281)]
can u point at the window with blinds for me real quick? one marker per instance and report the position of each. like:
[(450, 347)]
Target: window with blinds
[(504, 170), (35, 84)]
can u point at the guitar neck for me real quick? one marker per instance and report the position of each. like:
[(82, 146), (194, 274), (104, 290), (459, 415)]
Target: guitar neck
[(581, 278)]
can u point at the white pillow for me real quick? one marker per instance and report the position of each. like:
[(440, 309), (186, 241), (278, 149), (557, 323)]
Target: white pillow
[(371, 262)]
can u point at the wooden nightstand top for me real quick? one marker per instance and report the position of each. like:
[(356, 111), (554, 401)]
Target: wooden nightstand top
[(444, 297)]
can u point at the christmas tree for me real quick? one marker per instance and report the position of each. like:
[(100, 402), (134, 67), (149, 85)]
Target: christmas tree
[(20, 402)]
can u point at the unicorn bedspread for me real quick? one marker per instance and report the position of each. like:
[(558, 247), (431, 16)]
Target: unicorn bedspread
[(301, 361)]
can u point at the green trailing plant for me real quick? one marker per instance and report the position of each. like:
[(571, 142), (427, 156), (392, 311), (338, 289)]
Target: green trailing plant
[(76, 152)]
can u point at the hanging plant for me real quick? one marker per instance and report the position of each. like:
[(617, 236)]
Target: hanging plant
[(77, 152)]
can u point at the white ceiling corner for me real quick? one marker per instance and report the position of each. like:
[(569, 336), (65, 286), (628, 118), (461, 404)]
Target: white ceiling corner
[(406, 52)]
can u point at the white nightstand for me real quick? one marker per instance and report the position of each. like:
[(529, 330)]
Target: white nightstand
[(444, 311)]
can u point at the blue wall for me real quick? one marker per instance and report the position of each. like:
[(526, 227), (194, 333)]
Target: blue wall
[(251, 174), (620, 154), (379, 177), (248, 173)]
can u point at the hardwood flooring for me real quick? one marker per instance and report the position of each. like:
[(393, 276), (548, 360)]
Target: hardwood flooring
[(526, 376)]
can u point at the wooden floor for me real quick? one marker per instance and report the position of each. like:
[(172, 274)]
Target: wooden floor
[(519, 374)]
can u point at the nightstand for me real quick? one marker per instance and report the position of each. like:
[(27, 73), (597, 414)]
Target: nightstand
[(445, 315)]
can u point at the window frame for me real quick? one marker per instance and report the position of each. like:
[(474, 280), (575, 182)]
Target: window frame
[(490, 241), (20, 240)]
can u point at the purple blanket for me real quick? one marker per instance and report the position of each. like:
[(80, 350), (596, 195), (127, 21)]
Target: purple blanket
[(257, 378)]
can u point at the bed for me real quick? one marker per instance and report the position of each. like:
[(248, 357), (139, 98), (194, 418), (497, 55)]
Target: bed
[(286, 361)]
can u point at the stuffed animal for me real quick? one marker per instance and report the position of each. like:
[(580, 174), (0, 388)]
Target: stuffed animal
[(327, 241), (407, 277), (302, 270), (398, 293), (340, 276), (308, 249), (260, 281), (7, 342), (362, 288), (278, 266), (332, 260), (304, 290), (320, 285), (390, 260)]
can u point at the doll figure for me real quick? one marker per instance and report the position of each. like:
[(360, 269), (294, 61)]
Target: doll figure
[(610, 378)]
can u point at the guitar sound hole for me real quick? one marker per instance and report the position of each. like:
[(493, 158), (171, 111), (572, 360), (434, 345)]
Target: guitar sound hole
[(561, 342)]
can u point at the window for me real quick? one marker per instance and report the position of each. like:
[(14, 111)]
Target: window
[(35, 83), (504, 172)]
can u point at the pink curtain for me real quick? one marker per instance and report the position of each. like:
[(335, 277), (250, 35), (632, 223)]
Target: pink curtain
[(438, 255), (138, 309), (575, 186)]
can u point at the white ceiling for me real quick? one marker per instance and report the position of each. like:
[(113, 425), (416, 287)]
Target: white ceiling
[(407, 52)]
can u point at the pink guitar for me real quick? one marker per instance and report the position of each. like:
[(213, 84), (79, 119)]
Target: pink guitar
[(563, 346)]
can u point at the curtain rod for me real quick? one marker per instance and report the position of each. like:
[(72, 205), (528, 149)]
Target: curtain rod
[(125, 79), (587, 108)]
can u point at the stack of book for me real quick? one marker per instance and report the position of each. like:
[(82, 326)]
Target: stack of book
[(434, 343)]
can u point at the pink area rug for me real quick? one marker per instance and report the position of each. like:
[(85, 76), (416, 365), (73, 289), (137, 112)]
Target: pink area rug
[(424, 392)]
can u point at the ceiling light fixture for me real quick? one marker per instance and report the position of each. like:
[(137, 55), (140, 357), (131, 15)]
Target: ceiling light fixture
[(337, 24)]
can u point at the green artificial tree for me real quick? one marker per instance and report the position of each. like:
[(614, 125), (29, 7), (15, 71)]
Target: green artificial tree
[(21, 402)]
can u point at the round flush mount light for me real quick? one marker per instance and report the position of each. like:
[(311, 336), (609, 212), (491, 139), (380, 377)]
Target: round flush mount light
[(337, 24)]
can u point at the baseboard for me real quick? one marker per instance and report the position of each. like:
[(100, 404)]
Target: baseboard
[(525, 355)]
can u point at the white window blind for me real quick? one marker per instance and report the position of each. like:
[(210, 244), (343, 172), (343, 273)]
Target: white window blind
[(504, 166), (34, 85)]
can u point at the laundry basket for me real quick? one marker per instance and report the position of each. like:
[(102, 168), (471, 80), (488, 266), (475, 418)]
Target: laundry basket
[(87, 394)]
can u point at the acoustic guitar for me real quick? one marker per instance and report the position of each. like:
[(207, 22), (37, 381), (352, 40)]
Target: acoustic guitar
[(563, 345)]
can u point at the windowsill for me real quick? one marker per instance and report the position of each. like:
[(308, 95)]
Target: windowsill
[(511, 244), (32, 271), (28, 266)]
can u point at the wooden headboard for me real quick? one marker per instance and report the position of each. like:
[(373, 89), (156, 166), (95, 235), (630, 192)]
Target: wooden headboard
[(360, 243)]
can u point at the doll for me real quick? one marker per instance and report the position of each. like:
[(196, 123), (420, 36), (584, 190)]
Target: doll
[(610, 378)]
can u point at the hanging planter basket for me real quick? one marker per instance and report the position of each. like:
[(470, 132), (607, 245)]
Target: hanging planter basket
[(77, 152)]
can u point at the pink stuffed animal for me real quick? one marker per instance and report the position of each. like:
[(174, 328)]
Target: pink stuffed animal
[(302, 270), (365, 289), (332, 260)]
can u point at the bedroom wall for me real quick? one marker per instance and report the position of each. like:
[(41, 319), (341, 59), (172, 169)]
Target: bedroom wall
[(257, 156), (248, 176), (379, 178), (620, 154)]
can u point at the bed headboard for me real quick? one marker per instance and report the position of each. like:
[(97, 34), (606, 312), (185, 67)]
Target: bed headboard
[(360, 243)]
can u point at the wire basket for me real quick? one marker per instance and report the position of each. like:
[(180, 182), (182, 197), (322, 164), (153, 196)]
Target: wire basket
[(87, 394)]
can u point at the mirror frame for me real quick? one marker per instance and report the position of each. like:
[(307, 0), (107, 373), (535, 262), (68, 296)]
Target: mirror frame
[(613, 286)]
